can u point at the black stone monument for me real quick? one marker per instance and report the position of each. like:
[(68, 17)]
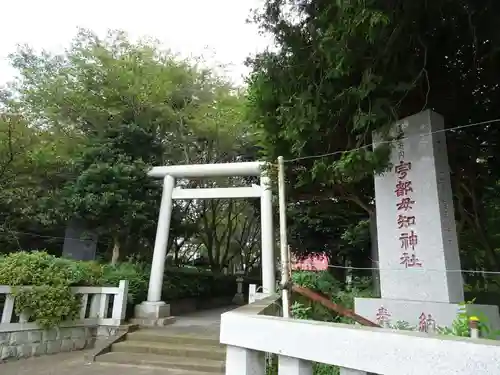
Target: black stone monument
[(80, 243)]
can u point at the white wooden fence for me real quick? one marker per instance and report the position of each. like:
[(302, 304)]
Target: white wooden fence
[(254, 295), (96, 304), (357, 350)]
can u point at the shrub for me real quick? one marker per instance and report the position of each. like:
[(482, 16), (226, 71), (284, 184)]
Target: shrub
[(137, 275), (82, 273), (49, 301), (319, 281), (40, 268), (179, 283), (324, 283), (48, 305)]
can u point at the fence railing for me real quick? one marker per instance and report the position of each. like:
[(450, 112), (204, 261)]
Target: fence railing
[(249, 332), (254, 294), (103, 306)]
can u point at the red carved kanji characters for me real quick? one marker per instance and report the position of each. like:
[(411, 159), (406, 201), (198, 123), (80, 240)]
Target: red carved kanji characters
[(410, 260), (405, 204), (405, 221), (402, 169), (408, 240), (383, 316), (426, 323), (403, 188)]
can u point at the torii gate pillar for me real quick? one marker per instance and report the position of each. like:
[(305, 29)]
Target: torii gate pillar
[(154, 311)]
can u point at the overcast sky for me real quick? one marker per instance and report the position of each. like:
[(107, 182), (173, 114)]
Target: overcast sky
[(213, 28)]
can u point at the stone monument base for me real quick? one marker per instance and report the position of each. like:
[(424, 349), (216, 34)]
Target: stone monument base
[(239, 299), (152, 314), (423, 315)]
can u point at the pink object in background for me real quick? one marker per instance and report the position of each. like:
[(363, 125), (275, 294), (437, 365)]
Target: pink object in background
[(311, 263)]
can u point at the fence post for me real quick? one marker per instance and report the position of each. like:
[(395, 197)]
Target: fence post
[(242, 361), (252, 293), (474, 327), (95, 301), (120, 303), (23, 317), (294, 366), (8, 309), (83, 309)]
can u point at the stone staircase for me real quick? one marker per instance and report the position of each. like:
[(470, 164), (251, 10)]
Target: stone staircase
[(185, 351)]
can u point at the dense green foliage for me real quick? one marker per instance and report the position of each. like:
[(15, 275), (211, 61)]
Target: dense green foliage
[(342, 69), (324, 283), (80, 129), (50, 300)]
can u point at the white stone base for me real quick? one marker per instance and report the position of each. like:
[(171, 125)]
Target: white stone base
[(442, 314), (152, 313)]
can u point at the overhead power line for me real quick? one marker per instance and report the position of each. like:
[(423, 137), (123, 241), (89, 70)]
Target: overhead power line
[(391, 141)]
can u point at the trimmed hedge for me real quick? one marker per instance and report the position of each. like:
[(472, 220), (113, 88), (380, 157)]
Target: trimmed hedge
[(50, 301), (180, 283)]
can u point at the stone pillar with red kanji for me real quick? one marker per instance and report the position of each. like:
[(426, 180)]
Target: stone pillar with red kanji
[(420, 278)]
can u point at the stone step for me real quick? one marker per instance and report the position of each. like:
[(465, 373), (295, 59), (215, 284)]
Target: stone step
[(148, 369), (162, 361), (175, 349), (171, 336), (161, 322)]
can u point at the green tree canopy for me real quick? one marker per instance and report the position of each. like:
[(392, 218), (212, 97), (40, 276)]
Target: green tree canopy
[(96, 117), (343, 69)]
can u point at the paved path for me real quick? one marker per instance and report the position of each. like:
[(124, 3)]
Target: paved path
[(73, 363)]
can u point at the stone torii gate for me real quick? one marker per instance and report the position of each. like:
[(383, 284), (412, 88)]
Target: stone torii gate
[(154, 310)]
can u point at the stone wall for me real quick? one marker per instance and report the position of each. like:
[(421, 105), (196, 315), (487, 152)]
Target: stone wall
[(30, 343)]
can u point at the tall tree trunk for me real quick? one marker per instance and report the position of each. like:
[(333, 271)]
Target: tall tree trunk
[(116, 250), (374, 253)]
